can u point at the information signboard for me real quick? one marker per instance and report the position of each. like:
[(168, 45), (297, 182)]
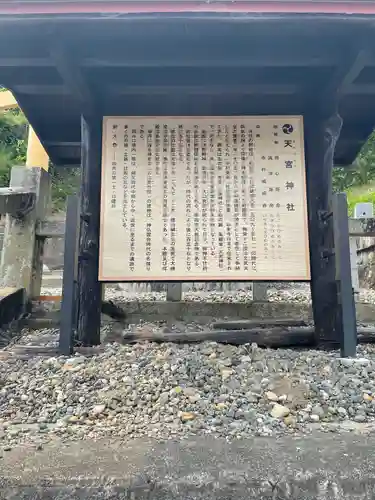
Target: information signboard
[(203, 198)]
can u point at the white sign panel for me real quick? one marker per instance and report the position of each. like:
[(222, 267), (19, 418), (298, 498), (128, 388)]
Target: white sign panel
[(203, 198)]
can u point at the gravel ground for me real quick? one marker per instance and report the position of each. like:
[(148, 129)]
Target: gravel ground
[(173, 391)]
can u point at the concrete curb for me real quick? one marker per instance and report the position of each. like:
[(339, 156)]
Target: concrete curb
[(203, 312), (319, 466)]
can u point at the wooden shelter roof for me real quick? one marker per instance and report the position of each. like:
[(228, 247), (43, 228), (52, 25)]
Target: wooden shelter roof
[(61, 59)]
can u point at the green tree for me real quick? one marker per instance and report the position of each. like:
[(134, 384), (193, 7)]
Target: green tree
[(342, 179), (13, 146), (13, 142), (361, 172), (65, 181)]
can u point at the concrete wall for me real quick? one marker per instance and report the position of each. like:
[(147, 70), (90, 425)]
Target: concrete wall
[(366, 262)]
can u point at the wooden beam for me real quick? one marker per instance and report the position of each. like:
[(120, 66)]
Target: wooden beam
[(277, 336), (350, 68), (243, 324), (320, 136), (360, 89), (356, 67), (68, 315), (195, 59), (72, 77), (188, 50), (258, 89), (191, 57), (63, 144), (350, 131), (195, 104), (346, 323), (89, 288), (26, 62), (273, 337), (46, 89)]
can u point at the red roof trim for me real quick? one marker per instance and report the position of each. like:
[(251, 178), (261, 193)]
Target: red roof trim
[(148, 7)]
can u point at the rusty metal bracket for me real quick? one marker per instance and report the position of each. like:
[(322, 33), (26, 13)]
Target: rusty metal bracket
[(86, 217), (84, 256), (327, 254), (324, 215)]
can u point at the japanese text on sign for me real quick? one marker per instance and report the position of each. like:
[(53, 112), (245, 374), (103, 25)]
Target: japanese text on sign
[(203, 198)]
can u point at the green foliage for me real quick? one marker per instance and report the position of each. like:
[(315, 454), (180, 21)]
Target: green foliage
[(13, 146), (361, 173), (366, 197), (65, 181), (13, 140), (342, 179), (358, 181)]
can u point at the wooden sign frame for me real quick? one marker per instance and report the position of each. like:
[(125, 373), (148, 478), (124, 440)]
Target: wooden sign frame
[(231, 148)]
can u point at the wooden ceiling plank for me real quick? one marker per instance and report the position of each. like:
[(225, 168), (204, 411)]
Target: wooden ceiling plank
[(240, 90), (72, 77)]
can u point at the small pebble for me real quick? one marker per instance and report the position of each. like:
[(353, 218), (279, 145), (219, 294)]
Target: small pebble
[(279, 411), (187, 416), (271, 396)]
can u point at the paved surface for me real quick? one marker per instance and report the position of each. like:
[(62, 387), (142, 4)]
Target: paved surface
[(319, 467)]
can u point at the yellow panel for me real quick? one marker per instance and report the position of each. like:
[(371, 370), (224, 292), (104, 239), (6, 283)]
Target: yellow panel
[(7, 100), (36, 155)]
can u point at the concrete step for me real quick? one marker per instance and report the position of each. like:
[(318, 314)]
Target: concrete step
[(306, 467)]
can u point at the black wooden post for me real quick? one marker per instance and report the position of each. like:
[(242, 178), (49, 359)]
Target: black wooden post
[(321, 134), (89, 288), (346, 320), (68, 315)]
